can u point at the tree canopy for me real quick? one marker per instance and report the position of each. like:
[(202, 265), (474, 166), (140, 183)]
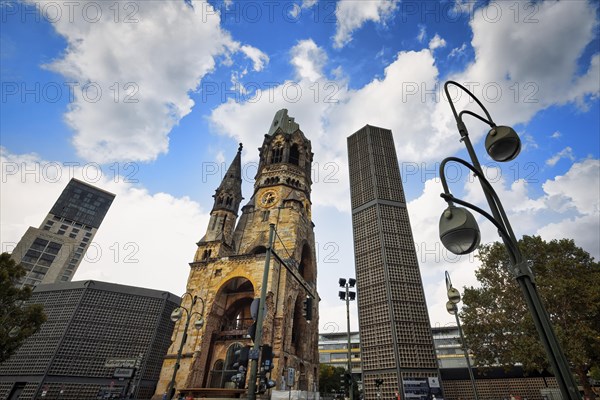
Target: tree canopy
[(497, 324), (17, 320), (330, 378)]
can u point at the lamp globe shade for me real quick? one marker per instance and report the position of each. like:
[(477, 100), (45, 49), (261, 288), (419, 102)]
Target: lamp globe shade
[(459, 231), (451, 308), (176, 314), (453, 295), (199, 323), (502, 143)]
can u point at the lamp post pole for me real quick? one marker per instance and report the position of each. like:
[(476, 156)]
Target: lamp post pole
[(351, 381), (260, 317), (176, 316), (348, 295), (503, 144), (452, 308)]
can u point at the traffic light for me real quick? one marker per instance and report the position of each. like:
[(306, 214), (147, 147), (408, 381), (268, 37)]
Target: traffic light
[(240, 357), (348, 379), (308, 308), (266, 358)]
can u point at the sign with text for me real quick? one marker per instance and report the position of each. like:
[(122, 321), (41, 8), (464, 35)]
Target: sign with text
[(120, 363), (123, 373)]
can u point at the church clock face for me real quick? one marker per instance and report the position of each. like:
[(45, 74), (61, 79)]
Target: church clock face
[(268, 199)]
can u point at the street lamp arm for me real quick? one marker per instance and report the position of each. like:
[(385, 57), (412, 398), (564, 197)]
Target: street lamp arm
[(456, 115), (479, 117), (451, 199), (503, 225)]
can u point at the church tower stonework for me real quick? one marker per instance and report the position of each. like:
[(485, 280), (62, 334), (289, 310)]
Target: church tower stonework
[(226, 274)]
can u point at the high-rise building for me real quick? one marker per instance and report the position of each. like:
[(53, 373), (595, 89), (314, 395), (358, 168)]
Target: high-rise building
[(396, 340), (227, 274), (100, 341), (52, 252)]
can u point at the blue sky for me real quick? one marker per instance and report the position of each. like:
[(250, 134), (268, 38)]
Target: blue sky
[(149, 100)]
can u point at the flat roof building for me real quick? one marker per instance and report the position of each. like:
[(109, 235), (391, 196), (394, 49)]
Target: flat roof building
[(396, 341), (101, 340)]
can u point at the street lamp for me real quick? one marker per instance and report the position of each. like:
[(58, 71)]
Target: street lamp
[(348, 295), (452, 308), (198, 324), (460, 234)]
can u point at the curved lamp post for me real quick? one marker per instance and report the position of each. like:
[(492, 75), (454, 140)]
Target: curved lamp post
[(452, 308), (198, 324), (460, 234)]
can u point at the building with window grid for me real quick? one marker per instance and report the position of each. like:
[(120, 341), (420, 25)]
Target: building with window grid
[(101, 340), (492, 382), (333, 350), (52, 252), (396, 341)]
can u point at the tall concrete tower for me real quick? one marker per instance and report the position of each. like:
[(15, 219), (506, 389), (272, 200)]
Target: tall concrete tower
[(228, 268), (52, 252), (396, 341)]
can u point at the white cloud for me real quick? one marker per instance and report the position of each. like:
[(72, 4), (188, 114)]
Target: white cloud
[(352, 14), (422, 33), (543, 59), (145, 240), (258, 57), (308, 60), (458, 51), (567, 153), (297, 9), (139, 72), (436, 42), (579, 186), (556, 135)]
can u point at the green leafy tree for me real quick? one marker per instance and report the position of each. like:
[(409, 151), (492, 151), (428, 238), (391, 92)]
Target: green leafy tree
[(496, 320), (17, 322), (330, 379)]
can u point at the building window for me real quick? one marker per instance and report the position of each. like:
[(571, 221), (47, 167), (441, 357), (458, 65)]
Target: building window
[(294, 155), (277, 155)]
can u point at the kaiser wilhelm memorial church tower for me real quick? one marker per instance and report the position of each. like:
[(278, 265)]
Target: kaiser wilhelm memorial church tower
[(227, 274)]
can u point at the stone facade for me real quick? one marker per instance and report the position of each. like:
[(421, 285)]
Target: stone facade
[(229, 263)]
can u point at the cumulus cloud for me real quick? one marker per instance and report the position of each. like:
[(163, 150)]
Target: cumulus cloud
[(351, 15), (259, 58), (132, 74), (130, 246), (436, 42), (308, 60), (543, 59)]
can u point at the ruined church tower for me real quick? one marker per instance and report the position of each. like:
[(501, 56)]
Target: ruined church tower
[(226, 274)]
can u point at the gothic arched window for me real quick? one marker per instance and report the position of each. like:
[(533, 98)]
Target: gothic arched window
[(294, 155), (277, 155)]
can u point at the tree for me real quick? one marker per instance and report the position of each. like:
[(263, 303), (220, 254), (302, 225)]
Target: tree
[(17, 321), (496, 320), (330, 378)]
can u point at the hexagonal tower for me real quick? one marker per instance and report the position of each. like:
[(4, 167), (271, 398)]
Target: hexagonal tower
[(228, 268)]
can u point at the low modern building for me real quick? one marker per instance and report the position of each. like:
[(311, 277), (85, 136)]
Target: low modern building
[(333, 350), (52, 252), (448, 348), (100, 341), (492, 383)]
